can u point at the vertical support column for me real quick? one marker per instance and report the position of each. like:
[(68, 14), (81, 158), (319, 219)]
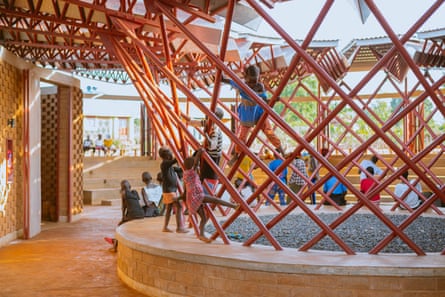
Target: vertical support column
[(33, 151), (65, 155), (410, 123), (321, 140), (420, 139), (143, 133), (26, 157), (151, 151), (146, 133)]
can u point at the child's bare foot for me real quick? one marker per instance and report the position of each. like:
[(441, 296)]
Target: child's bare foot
[(205, 239), (166, 230), (181, 230), (112, 250)]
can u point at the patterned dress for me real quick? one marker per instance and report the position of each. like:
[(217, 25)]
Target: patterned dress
[(194, 190)]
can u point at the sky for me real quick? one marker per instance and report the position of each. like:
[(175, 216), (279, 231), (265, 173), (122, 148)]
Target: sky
[(343, 21)]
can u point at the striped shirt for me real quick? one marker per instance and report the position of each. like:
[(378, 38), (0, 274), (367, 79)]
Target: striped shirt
[(214, 145)]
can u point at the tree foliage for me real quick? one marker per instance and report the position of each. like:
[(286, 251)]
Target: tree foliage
[(302, 115)]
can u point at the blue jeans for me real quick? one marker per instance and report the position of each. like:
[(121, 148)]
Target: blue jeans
[(277, 190), (313, 199)]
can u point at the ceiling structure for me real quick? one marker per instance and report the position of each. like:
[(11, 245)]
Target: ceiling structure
[(67, 35), (193, 44)]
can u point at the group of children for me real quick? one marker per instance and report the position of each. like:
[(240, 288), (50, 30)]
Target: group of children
[(133, 207), (249, 113), (193, 194), (165, 198)]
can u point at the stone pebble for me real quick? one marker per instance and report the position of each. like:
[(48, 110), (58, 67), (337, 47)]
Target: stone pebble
[(361, 232)]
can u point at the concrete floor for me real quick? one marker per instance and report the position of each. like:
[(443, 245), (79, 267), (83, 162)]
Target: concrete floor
[(71, 260), (65, 260)]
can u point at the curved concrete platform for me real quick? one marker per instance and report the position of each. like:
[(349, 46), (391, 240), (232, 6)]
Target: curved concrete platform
[(170, 264)]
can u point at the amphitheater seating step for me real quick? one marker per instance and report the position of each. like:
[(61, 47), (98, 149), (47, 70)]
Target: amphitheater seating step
[(110, 202), (102, 177), (95, 196)]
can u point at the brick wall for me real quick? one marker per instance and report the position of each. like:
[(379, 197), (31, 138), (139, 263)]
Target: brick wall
[(50, 110), (12, 100), (77, 161), (62, 156), (155, 275), (11, 106)]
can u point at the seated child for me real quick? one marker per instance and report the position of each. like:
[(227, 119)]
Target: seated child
[(131, 209), (367, 184), (411, 199), (338, 193), (194, 195), (151, 196)]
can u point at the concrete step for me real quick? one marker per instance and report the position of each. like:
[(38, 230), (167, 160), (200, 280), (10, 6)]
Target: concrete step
[(95, 196), (100, 183), (108, 172), (119, 163), (111, 202), (99, 195)]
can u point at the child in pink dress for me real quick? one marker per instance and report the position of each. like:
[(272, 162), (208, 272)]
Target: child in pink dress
[(194, 193)]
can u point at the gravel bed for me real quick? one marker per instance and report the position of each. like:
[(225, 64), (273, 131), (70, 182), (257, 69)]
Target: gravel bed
[(361, 232)]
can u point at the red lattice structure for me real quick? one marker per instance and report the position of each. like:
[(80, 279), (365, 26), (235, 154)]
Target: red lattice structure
[(161, 43)]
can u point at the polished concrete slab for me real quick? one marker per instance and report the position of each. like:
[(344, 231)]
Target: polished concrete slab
[(65, 260), (70, 260)]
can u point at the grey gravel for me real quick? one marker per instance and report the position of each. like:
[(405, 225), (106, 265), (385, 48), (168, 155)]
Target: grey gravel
[(361, 232)]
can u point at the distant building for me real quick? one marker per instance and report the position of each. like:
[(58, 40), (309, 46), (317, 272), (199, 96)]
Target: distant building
[(119, 120)]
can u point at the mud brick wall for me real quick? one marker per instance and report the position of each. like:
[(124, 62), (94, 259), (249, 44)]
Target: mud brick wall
[(50, 110), (156, 275), (77, 169), (11, 106), (62, 156)]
